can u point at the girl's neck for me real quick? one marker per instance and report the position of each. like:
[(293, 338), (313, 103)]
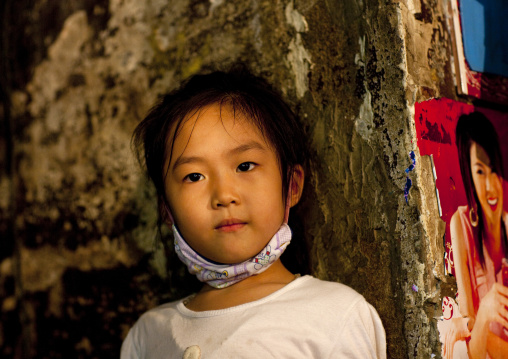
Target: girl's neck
[(492, 233), (248, 290), (495, 242)]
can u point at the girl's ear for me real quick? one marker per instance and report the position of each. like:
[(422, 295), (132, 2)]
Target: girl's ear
[(166, 216), (296, 185)]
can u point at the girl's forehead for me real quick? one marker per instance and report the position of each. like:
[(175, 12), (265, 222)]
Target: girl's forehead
[(479, 152), (232, 119), (197, 126)]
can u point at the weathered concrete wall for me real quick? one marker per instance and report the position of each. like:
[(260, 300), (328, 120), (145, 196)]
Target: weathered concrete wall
[(425, 27), (80, 263)]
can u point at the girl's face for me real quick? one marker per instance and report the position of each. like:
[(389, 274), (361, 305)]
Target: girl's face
[(488, 185), (224, 186)]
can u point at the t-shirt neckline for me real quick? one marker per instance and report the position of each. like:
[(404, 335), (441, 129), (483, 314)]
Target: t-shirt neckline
[(182, 309)]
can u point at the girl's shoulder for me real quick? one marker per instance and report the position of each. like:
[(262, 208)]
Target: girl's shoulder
[(316, 293), (335, 307), (162, 311), (460, 215), (460, 228), (316, 288)]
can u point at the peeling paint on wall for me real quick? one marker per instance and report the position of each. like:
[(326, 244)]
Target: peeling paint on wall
[(294, 18), (364, 123), (298, 58)]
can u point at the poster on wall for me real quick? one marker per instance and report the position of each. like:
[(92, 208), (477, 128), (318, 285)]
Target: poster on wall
[(481, 48), (469, 149)]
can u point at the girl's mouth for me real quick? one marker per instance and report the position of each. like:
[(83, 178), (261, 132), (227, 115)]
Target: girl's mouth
[(230, 225), (492, 203)]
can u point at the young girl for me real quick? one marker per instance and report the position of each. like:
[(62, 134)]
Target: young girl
[(225, 154)]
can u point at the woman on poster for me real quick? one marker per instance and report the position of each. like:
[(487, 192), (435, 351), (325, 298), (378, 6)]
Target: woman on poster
[(479, 241)]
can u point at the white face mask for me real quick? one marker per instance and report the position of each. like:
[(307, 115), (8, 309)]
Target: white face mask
[(224, 275)]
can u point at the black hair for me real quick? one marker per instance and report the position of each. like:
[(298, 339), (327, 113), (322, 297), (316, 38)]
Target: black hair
[(245, 94), (476, 128)]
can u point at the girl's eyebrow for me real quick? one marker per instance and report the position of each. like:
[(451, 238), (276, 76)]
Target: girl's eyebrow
[(186, 159), (252, 145), (481, 165)]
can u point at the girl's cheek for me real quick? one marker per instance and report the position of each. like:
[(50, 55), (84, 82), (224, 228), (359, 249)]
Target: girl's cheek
[(478, 186), (499, 182)]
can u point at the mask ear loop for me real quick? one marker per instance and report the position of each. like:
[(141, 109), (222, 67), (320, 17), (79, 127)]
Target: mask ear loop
[(288, 203), (168, 216)]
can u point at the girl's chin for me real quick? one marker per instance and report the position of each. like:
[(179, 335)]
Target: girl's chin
[(493, 218)]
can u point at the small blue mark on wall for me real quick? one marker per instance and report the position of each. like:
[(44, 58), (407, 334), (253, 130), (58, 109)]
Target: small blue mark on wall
[(409, 183)]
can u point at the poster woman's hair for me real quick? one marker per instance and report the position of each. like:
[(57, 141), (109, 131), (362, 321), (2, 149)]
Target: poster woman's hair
[(476, 128)]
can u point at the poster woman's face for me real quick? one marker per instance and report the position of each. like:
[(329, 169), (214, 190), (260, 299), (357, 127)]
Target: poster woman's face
[(488, 185)]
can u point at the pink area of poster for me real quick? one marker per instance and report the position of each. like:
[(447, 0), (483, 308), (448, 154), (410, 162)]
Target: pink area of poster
[(436, 122)]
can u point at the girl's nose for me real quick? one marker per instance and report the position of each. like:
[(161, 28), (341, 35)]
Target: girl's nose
[(224, 193), (491, 179)]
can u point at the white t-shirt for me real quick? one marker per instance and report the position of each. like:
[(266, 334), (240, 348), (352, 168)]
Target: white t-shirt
[(308, 318)]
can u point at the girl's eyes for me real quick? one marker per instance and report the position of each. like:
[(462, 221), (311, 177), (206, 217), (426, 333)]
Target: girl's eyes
[(246, 166), (242, 167), (193, 177)]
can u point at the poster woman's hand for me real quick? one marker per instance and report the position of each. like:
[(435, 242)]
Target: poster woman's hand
[(493, 307), (492, 310), (457, 331)]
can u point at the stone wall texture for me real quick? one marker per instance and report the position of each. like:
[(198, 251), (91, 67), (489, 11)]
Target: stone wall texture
[(80, 254)]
